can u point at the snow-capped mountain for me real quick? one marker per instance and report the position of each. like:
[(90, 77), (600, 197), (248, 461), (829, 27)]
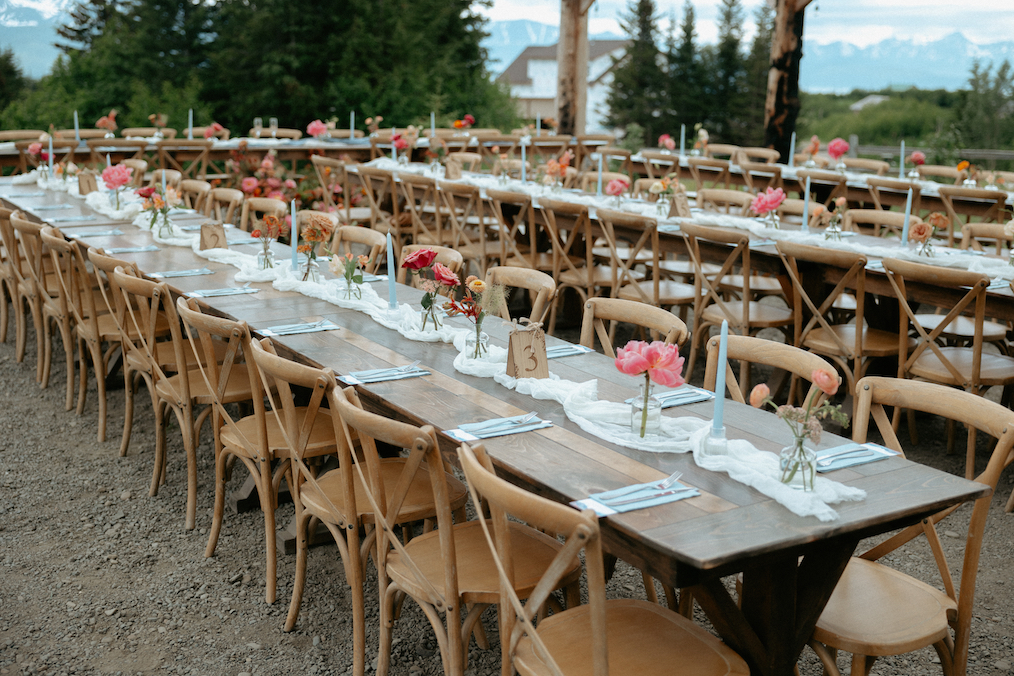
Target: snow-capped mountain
[(29, 28)]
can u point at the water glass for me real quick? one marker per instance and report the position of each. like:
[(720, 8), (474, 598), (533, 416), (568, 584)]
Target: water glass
[(273, 123), (258, 125)]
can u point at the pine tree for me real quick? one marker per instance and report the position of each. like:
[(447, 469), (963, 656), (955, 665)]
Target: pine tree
[(758, 64), (87, 21), (685, 87), (638, 80), (725, 64)]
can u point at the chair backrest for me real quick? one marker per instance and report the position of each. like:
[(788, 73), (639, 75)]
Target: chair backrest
[(724, 150), (222, 203), (873, 394), (709, 172), (628, 239), (491, 146), (553, 146), (876, 184), (464, 209), (829, 179), (82, 134), (449, 257), (172, 178), (333, 178), (378, 186), (194, 192), (509, 167), (21, 134), (374, 242), (802, 158), (468, 161), (891, 221), (256, 208), (74, 283), (515, 216), (657, 320), (659, 164), (972, 235), (724, 201), (581, 533), (103, 267), (538, 284), (572, 219), (138, 167), (99, 147), (148, 132), (760, 176), (794, 207), (280, 132), (222, 134), (899, 273), (974, 204), (863, 165), (33, 254), (421, 203), (757, 155), (187, 156), (590, 180), (589, 143), (931, 171), (707, 284), (798, 362)]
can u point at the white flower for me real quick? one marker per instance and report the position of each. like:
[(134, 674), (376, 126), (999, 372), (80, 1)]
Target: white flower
[(656, 188)]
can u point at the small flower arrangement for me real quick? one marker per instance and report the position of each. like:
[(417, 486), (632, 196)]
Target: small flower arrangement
[(437, 152), (400, 142), (767, 204), (666, 142), (317, 129), (373, 124), (211, 130), (465, 122), (420, 261), (115, 177), (797, 462), (480, 299), (351, 268), (972, 179), (556, 169), (664, 188), (159, 120), (271, 228), (837, 148), (701, 144), (616, 188), (835, 219), (108, 122), (921, 232), (65, 169), (158, 205), (918, 158), (812, 148), (316, 228), (657, 362)]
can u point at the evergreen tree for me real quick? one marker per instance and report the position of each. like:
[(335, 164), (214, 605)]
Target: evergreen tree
[(685, 86), (638, 80), (986, 119), (758, 64), (724, 63), (87, 21), (12, 79)]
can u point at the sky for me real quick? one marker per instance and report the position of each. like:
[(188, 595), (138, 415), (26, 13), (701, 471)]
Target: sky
[(860, 22)]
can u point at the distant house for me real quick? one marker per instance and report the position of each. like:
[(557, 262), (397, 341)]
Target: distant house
[(532, 78)]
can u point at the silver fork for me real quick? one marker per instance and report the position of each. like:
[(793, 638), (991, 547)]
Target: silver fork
[(497, 424), (834, 457), (660, 486), (652, 496), (392, 369)]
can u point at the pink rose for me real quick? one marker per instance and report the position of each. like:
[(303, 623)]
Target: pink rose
[(35, 148), (918, 158), (267, 164), (419, 259), (399, 142), (662, 362), (759, 394), (116, 176), (290, 184), (213, 129), (274, 182), (316, 129), (248, 184), (616, 187), (768, 201), (667, 142), (837, 148), (276, 195), (443, 275), (824, 379), (469, 119)]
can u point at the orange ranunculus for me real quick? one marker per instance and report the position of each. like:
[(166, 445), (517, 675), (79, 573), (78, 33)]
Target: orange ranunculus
[(826, 380), (759, 394), (920, 231), (963, 165)]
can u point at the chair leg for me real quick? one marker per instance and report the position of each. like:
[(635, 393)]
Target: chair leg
[(46, 354), (186, 420), (100, 386), (68, 348), (4, 309), (21, 330), (268, 500), (386, 625), (300, 578), (130, 386), (161, 409), (82, 366), (219, 511)]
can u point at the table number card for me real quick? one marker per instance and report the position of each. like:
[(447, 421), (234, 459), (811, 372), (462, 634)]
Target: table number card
[(213, 236), (86, 183), (679, 205), (526, 352), (452, 170)]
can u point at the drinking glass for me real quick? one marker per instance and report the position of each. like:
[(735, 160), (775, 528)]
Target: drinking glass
[(258, 125), (273, 122)]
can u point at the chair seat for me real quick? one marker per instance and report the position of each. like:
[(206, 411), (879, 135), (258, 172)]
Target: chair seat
[(236, 389), (876, 610), (875, 343), (686, 268), (599, 275), (166, 355), (759, 286), (642, 638), (541, 261), (963, 328), (622, 252), (670, 292), (321, 441), (475, 250), (845, 301), (478, 581), (760, 314), (994, 369), (362, 214), (418, 503)]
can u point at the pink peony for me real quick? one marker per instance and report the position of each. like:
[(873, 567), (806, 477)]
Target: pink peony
[(290, 184), (667, 142), (917, 158), (443, 275), (419, 259), (249, 184), (825, 380), (35, 148), (837, 148), (399, 142), (116, 176), (662, 362), (316, 129), (274, 183), (616, 187), (766, 202), (213, 129), (759, 394), (267, 164), (469, 119), (277, 195)]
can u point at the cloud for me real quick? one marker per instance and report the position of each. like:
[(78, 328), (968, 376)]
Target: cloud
[(47, 8)]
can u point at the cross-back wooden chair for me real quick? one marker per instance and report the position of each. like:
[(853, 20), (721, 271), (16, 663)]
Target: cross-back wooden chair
[(585, 144), (734, 202), (469, 161), (661, 324), (63, 151), (449, 257), (550, 146), (862, 165), (964, 367), (98, 148), (256, 208), (184, 392), (877, 222), (147, 132), (975, 205), (56, 307), (745, 315), (929, 172), (708, 172), (194, 192), (878, 185), (470, 228), (540, 287), (333, 176), (757, 155), (658, 164), (876, 610), (18, 282), (363, 239), (725, 151), (759, 176), (523, 239), (977, 236), (138, 169), (422, 206), (833, 182), (617, 636), (172, 178), (590, 180), (850, 346), (222, 203), (621, 156), (507, 144), (187, 156), (222, 134)]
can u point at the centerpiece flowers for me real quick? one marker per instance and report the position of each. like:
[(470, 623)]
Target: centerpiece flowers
[(616, 188), (373, 124), (921, 232), (835, 218), (766, 204), (423, 260), (465, 122), (108, 122), (837, 149), (663, 189), (701, 144), (798, 463), (479, 300), (656, 362), (971, 174), (212, 130), (271, 228), (812, 148), (158, 205), (350, 267), (115, 177), (317, 228), (556, 171), (916, 159), (318, 129), (159, 120), (667, 143)]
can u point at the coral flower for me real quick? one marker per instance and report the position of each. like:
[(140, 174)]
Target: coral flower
[(249, 184), (758, 394), (444, 276), (662, 362), (824, 379), (419, 259)]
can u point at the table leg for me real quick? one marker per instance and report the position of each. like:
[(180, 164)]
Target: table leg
[(781, 601)]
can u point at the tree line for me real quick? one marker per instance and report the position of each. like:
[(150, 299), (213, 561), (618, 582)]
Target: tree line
[(233, 60)]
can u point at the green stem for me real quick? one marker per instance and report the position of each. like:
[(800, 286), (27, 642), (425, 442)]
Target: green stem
[(644, 404)]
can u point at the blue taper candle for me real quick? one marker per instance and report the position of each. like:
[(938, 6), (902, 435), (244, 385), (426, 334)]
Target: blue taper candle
[(394, 150), (598, 189), (683, 138), (901, 161), (524, 162), (190, 127), (51, 156), (77, 129), (294, 235), (908, 217), (806, 207), (108, 161), (352, 124), (538, 124), (163, 183), (392, 290), (716, 421), (433, 125), (792, 150)]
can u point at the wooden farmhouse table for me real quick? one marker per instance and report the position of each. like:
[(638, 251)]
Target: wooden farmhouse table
[(789, 564)]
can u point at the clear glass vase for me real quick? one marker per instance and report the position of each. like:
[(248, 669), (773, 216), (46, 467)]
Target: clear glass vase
[(265, 258), (477, 344), (662, 206), (798, 465), (310, 271), (914, 174), (771, 220), (840, 167), (645, 420), (165, 226)]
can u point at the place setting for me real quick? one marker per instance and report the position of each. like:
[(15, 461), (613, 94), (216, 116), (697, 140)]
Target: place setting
[(381, 375), (498, 427), (294, 329)]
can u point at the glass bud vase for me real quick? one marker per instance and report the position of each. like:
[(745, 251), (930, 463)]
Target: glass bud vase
[(645, 421), (914, 175), (165, 226), (771, 220), (265, 258), (662, 207), (477, 344), (798, 465), (310, 271), (840, 167)]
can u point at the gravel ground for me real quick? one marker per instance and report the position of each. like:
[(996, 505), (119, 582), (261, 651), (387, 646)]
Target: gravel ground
[(99, 578)]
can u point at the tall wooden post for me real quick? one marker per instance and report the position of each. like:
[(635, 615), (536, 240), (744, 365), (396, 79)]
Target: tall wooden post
[(782, 105), (572, 65)]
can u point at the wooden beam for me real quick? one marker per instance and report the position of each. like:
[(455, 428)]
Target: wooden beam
[(572, 65), (782, 105)]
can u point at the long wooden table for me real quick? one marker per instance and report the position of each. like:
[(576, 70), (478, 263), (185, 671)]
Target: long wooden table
[(790, 564)]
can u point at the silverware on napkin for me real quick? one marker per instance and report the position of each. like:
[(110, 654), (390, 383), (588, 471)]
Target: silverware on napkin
[(650, 496), (230, 291), (52, 207), (98, 233), (197, 272), (497, 423), (69, 219), (131, 249)]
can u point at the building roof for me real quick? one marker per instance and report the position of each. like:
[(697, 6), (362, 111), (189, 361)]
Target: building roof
[(517, 72)]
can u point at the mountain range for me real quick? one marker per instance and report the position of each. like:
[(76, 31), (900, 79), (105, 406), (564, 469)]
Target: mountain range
[(28, 26)]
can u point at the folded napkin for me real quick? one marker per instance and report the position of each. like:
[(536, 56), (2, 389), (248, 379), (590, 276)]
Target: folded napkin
[(69, 219), (754, 243), (998, 284), (293, 329), (687, 394), (41, 193), (497, 427), (863, 453), (647, 496), (368, 277), (566, 350), (875, 265), (196, 272), (372, 376), (98, 233), (131, 249), (227, 291), (53, 207)]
